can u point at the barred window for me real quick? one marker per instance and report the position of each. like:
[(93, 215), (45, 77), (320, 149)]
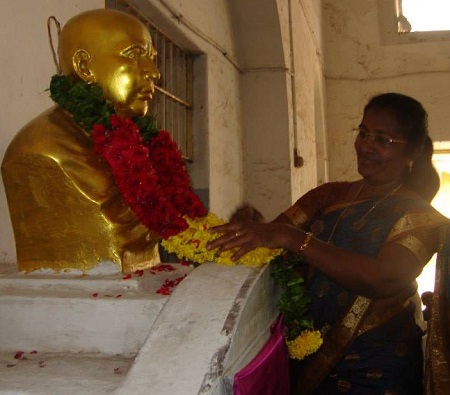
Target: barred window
[(172, 102)]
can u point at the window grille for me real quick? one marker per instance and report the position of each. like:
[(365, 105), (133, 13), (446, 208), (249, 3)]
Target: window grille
[(172, 101)]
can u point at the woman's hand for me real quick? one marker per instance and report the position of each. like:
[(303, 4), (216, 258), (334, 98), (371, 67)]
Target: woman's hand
[(245, 236)]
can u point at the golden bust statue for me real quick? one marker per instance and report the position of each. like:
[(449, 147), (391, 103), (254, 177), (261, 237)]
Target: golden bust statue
[(65, 208)]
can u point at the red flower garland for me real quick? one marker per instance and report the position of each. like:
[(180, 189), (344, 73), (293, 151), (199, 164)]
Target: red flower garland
[(152, 177)]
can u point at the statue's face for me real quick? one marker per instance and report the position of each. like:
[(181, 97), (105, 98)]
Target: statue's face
[(123, 64)]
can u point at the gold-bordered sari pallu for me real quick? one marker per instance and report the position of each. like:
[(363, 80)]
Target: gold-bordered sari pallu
[(351, 322)]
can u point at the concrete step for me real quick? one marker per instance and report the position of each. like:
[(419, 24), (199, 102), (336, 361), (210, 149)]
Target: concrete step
[(70, 334), (107, 313), (40, 373)]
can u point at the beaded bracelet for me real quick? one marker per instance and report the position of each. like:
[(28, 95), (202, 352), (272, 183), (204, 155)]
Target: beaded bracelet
[(306, 241)]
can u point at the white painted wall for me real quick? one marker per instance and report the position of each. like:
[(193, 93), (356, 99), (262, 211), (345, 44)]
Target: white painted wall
[(309, 102), (279, 48), (360, 63)]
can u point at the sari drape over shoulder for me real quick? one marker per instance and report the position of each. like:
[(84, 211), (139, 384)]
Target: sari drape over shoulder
[(370, 345)]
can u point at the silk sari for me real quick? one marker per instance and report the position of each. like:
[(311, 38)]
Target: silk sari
[(371, 346)]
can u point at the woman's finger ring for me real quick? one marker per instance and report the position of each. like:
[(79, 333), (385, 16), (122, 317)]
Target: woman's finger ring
[(237, 234)]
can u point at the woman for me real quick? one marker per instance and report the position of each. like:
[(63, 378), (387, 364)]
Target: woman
[(364, 242)]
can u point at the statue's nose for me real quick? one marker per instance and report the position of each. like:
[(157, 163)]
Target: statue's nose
[(150, 71)]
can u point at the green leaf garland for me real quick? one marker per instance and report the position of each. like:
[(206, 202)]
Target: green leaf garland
[(295, 301), (88, 107)]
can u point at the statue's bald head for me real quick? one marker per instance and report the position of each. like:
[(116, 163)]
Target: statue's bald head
[(114, 50), (94, 31)]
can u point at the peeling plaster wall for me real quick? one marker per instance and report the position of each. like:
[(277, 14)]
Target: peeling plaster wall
[(280, 50), (309, 94), (360, 64)]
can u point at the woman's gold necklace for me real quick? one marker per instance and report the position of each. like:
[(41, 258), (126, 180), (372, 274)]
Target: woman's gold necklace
[(358, 225)]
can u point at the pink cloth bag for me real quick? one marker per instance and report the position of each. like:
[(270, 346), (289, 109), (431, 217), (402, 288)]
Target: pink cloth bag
[(268, 372)]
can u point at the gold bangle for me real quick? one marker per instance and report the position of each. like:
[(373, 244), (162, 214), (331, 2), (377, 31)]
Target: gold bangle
[(306, 241)]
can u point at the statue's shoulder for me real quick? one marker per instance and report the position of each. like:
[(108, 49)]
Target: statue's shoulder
[(45, 134), (52, 122)]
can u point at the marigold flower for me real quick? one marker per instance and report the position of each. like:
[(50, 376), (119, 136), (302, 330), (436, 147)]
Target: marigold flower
[(308, 342), (191, 245)]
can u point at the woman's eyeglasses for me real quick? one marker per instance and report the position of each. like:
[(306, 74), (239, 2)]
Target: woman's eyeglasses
[(379, 140)]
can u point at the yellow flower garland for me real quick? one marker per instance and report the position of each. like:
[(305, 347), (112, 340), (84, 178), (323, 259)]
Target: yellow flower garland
[(191, 245)]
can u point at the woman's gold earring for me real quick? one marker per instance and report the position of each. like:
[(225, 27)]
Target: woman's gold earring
[(410, 165)]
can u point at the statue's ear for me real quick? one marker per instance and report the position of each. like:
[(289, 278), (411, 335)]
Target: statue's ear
[(81, 65)]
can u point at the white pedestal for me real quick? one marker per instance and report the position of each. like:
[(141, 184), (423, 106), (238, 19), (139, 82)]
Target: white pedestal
[(103, 334)]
